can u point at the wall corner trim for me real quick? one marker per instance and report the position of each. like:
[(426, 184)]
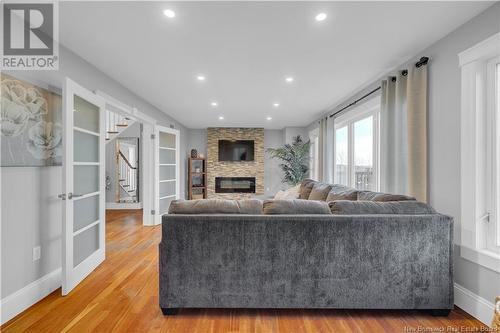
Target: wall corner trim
[(22, 299), (474, 305)]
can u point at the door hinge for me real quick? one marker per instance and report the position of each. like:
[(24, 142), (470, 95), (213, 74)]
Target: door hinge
[(153, 136), (153, 212)]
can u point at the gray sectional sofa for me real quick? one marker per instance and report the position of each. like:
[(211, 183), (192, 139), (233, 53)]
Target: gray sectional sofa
[(358, 254)]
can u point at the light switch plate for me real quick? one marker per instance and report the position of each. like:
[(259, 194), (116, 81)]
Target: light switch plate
[(37, 253)]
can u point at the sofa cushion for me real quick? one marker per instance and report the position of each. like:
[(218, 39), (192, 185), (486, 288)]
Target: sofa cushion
[(383, 197), (295, 207), (216, 206), (291, 193), (341, 192), (306, 187), (320, 191), (409, 207)]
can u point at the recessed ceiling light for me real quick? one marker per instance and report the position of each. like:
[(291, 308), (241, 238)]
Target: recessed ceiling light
[(289, 79), (221, 117), (169, 13), (269, 118), (321, 17), (200, 78), (276, 105), (214, 104)]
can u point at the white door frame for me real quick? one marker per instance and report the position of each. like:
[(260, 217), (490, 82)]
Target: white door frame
[(147, 150), (73, 275), (158, 129)]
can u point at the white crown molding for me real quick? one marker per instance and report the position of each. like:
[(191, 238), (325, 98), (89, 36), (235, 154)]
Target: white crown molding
[(22, 299), (473, 304)]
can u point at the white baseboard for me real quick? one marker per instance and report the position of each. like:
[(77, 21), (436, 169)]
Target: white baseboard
[(123, 205), (22, 299), (473, 304)]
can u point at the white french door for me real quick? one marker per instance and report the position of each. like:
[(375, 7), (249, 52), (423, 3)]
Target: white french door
[(167, 169), (83, 231)]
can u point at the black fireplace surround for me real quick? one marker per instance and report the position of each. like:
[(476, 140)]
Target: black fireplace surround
[(234, 184)]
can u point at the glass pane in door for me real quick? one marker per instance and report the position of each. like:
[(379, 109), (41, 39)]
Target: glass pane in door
[(86, 155), (364, 178), (341, 156)]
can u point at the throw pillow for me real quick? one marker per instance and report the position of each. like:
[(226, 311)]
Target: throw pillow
[(320, 191), (346, 207), (291, 193), (306, 187), (295, 207), (341, 192), (383, 197)]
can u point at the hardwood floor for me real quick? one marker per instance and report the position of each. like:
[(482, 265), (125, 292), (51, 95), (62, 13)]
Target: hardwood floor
[(122, 296)]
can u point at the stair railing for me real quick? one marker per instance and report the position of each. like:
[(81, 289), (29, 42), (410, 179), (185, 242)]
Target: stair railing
[(127, 174)]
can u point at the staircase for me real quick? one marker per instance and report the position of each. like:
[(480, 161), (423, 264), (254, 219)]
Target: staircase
[(127, 179), (115, 124)]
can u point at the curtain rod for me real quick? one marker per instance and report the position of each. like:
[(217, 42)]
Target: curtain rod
[(421, 62)]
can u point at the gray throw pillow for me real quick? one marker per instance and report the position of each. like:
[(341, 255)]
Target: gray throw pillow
[(409, 207), (320, 191), (306, 187), (383, 197), (216, 206), (341, 192), (295, 207)]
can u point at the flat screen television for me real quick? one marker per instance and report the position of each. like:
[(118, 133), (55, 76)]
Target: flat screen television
[(238, 150)]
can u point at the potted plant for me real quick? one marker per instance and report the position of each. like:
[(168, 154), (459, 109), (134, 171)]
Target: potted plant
[(294, 160)]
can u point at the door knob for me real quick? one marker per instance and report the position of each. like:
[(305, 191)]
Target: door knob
[(62, 196)]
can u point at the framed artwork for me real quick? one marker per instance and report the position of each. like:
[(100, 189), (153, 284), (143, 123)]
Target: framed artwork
[(30, 124)]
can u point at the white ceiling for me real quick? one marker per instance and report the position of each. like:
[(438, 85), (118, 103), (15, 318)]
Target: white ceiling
[(246, 49)]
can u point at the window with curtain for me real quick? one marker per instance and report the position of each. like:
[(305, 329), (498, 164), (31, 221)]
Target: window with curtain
[(356, 147), (480, 153), (313, 154)]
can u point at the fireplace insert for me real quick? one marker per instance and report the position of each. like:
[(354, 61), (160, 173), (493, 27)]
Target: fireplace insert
[(234, 184)]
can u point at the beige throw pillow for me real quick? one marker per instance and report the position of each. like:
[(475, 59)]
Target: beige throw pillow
[(320, 191), (291, 193)]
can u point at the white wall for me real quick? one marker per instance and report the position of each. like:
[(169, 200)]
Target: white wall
[(31, 213), (444, 135)]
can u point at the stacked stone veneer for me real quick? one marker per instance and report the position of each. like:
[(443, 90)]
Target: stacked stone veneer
[(253, 168)]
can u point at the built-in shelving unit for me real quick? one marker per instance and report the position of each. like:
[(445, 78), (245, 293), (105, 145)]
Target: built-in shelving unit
[(197, 175)]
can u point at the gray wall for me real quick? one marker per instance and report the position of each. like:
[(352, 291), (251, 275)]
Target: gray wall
[(444, 136), (30, 210)]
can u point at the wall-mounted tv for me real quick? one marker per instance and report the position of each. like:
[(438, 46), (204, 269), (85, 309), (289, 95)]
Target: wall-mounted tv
[(237, 150)]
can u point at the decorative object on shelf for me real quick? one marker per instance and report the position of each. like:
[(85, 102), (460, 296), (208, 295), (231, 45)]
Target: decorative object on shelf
[(197, 178), (294, 160), (30, 124), (194, 153), (200, 155)]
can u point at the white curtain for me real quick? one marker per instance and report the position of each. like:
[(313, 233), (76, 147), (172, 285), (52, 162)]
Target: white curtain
[(403, 134), (325, 149)]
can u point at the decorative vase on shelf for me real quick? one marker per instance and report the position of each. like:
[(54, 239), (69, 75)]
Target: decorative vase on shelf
[(194, 153)]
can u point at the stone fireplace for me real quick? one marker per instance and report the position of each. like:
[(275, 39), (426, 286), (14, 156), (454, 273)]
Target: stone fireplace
[(235, 179)]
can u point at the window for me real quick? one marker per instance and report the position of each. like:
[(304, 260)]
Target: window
[(314, 154), (492, 228), (356, 147), (480, 153)]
